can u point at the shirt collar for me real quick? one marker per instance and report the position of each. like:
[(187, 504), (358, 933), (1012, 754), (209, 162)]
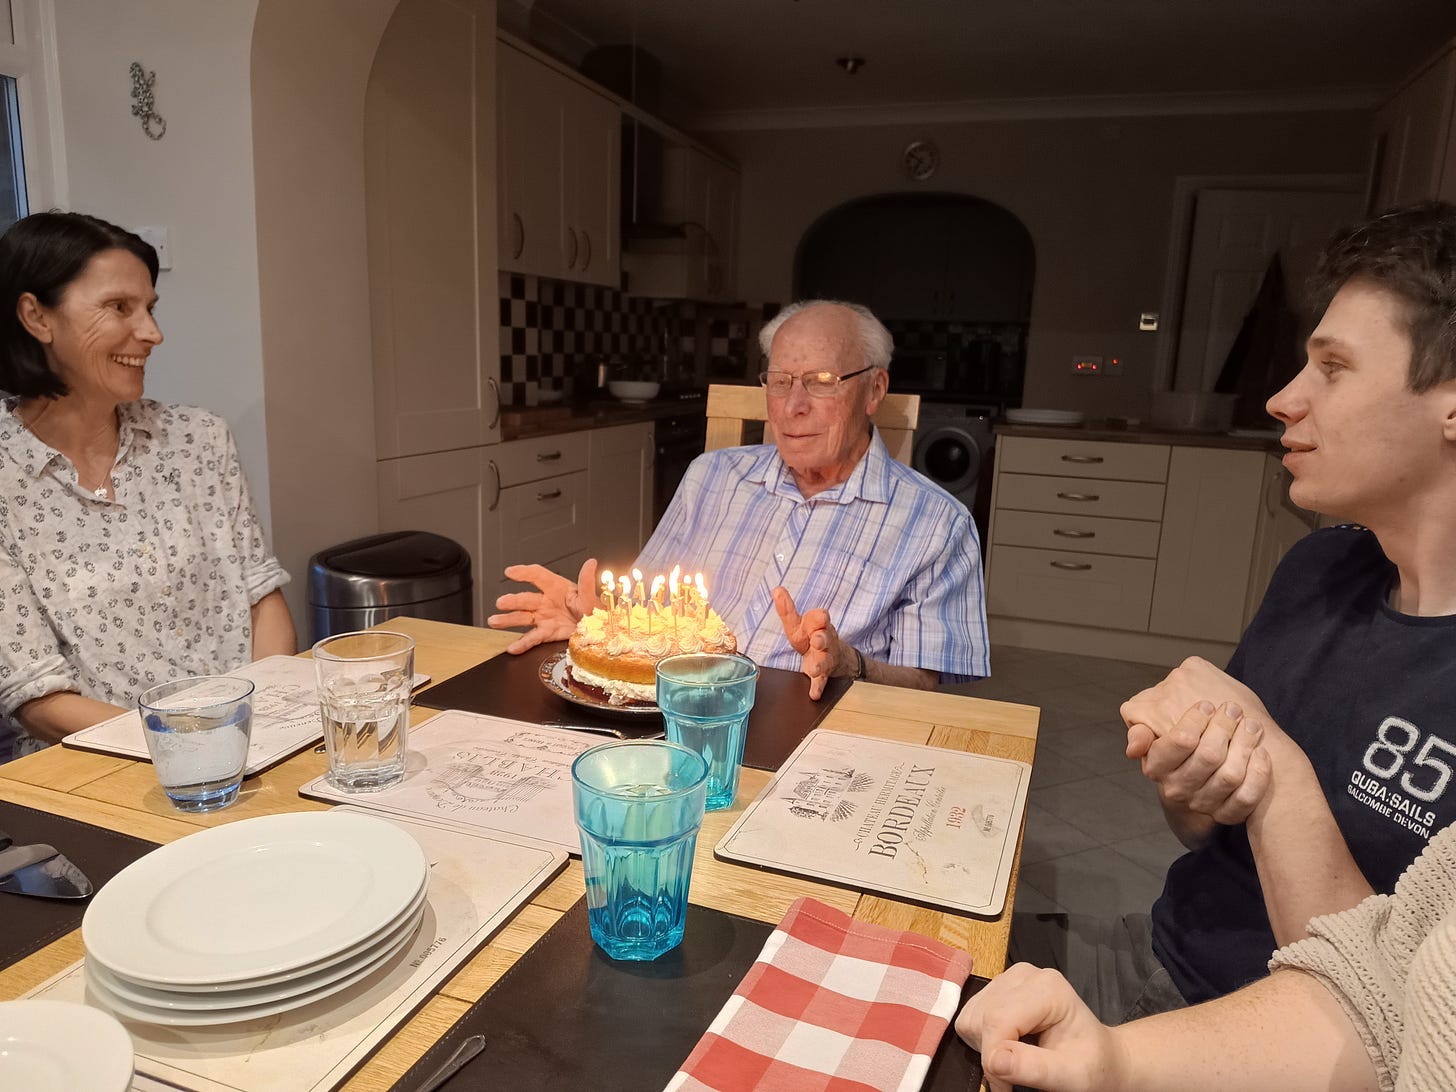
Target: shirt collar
[(869, 481), (27, 452)]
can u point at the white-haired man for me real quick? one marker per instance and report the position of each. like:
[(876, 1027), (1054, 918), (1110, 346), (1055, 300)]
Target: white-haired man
[(887, 563)]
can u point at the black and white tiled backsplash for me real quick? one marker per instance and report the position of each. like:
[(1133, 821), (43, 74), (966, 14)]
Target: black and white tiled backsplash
[(554, 334)]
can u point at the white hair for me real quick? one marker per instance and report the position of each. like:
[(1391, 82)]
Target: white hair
[(875, 342)]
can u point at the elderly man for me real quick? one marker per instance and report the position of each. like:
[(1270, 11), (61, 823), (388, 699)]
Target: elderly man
[(823, 518)]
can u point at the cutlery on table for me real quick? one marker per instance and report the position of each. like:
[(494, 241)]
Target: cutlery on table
[(40, 870), (617, 732), (469, 1047)]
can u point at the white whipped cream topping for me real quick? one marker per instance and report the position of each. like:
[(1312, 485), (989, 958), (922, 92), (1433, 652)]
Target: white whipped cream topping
[(618, 692)]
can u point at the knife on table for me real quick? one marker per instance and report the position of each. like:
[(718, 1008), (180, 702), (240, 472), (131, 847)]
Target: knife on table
[(42, 871)]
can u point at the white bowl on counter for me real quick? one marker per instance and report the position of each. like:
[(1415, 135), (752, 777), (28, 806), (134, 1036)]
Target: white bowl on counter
[(634, 390)]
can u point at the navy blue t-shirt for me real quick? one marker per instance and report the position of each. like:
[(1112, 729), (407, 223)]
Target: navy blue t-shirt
[(1370, 694)]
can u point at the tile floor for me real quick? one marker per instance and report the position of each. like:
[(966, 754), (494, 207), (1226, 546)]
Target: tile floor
[(1096, 841)]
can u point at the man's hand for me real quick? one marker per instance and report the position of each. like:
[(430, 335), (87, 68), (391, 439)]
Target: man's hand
[(1211, 763), (1074, 1052), (552, 612), (814, 638), (1152, 713)]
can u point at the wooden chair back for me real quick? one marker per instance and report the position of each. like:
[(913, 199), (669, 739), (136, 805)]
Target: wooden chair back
[(730, 406)]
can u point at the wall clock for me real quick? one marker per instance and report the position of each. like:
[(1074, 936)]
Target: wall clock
[(921, 160)]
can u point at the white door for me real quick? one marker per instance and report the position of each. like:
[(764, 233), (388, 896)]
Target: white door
[(1235, 234)]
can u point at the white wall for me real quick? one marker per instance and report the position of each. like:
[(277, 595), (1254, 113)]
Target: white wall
[(197, 181)]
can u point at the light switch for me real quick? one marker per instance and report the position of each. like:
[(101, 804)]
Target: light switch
[(161, 241)]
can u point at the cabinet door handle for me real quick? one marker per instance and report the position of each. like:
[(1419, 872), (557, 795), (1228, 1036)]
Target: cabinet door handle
[(1071, 566), (520, 235), (1081, 458), (548, 495), (1064, 533), (495, 391), (587, 249), (571, 255), (547, 456), (495, 501), (1080, 496)]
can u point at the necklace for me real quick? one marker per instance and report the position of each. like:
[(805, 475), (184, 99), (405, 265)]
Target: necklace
[(102, 491)]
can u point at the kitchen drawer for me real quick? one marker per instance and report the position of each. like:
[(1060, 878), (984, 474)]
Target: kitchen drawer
[(1079, 496), (1085, 534), (1059, 586), (543, 520), (1083, 459), (542, 457)]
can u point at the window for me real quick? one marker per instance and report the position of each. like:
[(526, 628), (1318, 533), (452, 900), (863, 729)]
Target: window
[(12, 160)]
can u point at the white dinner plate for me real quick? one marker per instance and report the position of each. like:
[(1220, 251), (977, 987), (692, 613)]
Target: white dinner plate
[(253, 899), (318, 967), (153, 1014), (58, 1046), (1045, 417), (243, 997)]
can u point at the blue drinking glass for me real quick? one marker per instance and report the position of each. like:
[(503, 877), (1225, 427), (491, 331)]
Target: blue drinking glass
[(639, 804), (705, 701), (197, 731)]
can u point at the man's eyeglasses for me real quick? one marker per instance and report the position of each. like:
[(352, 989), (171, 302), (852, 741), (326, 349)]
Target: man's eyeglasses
[(816, 384)]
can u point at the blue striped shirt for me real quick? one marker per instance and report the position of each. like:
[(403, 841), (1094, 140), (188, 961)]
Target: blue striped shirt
[(893, 558)]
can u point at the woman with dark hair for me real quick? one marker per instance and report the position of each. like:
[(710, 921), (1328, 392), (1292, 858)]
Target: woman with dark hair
[(130, 552)]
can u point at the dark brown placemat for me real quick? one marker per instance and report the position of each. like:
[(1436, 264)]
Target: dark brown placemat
[(566, 1016), (28, 924), (510, 686)]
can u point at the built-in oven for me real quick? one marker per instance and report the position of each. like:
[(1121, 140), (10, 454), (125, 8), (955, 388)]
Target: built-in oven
[(678, 440)]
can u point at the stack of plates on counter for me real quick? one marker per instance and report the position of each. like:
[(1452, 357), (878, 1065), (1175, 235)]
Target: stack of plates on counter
[(1044, 417), (254, 918)]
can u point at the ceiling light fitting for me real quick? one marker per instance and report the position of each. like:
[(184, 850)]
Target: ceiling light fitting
[(851, 65)]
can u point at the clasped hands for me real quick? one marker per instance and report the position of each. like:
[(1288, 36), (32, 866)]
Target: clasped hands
[(552, 611)]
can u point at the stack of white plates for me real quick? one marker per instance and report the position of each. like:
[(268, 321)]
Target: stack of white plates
[(1044, 417), (254, 918)]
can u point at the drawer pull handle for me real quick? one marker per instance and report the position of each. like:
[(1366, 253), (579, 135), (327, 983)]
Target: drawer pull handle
[(495, 501), (547, 456), (1071, 566), (550, 494), (1081, 458), (1074, 534), (1079, 496)]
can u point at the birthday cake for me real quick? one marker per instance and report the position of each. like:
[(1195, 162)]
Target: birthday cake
[(613, 654)]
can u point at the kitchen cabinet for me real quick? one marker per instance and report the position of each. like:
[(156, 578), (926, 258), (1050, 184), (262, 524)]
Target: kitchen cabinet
[(559, 148), (701, 195), (451, 493), (1415, 137), (1128, 550), (1281, 523), (541, 505), (430, 189), (620, 493)]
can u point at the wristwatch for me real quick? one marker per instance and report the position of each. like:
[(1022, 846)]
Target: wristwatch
[(859, 664)]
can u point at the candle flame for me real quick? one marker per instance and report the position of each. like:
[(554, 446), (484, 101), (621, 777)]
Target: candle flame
[(672, 580), (657, 582), (608, 581), (702, 591), (626, 587)]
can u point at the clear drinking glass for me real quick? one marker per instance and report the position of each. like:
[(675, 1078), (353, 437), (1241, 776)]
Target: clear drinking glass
[(364, 696), (705, 701), (639, 805), (197, 731)]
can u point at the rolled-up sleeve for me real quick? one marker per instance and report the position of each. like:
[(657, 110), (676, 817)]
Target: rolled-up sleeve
[(31, 664), (261, 571)]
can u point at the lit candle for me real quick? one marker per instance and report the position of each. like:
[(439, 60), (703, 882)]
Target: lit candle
[(702, 595), (626, 586), (672, 598), (654, 602), (609, 585), (639, 589)]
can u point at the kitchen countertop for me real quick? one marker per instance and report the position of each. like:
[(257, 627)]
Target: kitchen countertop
[(1143, 435), (529, 422)]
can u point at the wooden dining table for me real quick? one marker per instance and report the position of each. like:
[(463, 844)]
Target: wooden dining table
[(123, 795)]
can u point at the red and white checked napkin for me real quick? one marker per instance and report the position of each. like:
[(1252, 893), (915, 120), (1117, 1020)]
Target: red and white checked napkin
[(831, 1005)]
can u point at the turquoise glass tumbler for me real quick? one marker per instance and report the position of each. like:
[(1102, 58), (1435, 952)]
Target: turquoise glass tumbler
[(705, 701), (639, 804)]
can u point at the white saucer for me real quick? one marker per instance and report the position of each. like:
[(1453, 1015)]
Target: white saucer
[(239, 904), (58, 1046)]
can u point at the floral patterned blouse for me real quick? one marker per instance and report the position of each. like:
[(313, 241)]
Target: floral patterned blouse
[(111, 596)]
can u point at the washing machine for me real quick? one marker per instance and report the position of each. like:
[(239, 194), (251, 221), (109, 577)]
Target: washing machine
[(953, 448)]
